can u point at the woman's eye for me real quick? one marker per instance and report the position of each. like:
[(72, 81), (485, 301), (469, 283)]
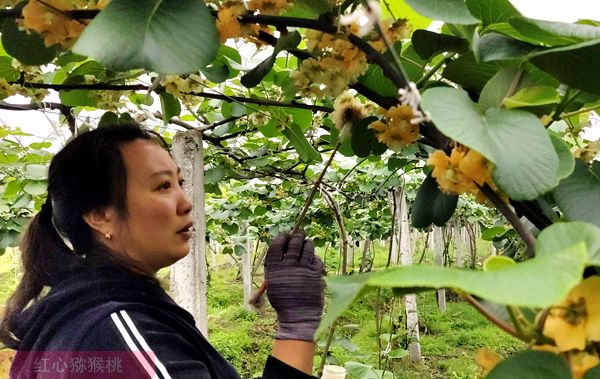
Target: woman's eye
[(181, 183), (165, 186)]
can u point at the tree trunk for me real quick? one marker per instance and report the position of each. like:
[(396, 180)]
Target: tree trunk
[(189, 275), (438, 259), (396, 228), (247, 269), (406, 257), (459, 243), (365, 255)]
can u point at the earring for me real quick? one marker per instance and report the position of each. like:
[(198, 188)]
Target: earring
[(107, 236)]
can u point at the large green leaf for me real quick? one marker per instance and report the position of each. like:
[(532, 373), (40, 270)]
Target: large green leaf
[(170, 106), (165, 36), (79, 98), (432, 206), (569, 31), (469, 73), (531, 364), (578, 195), (561, 235), (531, 30), (305, 150), (27, 48), (492, 11), (574, 65), (452, 11), (504, 286), (516, 141), (429, 44), (496, 46), (220, 69)]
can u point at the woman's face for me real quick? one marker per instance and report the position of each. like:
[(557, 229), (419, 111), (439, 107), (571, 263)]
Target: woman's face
[(158, 224)]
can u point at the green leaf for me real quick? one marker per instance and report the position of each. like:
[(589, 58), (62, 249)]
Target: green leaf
[(504, 286), (495, 90), (35, 188), (578, 195), (214, 175), (7, 71), (531, 364), (305, 150), (496, 46), (220, 69), (531, 30), (363, 140), (285, 42), (170, 106), (429, 44), (532, 97), (570, 32), (343, 291), (414, 65), (87, 68), (516, 141), (27, 48), (432, 205), (566, 162), (165, 36), (79, 97), (36, 171), (451, 11), (560, 236), (469, 73), (302, 117), (490, 233), (593, 373), (492, 11), (12, 189), (574, 65), (375, 80)]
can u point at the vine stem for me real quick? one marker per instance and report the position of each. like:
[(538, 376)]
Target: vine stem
[(142, 87), (511, 217), (491, 317)]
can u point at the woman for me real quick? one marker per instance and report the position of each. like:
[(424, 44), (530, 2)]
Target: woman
[(89, 304)]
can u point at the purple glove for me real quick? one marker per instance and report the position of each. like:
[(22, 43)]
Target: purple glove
[(295, 285)]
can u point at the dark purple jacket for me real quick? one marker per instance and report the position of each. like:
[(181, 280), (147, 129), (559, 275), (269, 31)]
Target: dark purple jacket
[(111, 323)]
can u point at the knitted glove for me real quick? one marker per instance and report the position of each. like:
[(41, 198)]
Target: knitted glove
[(294, 277)]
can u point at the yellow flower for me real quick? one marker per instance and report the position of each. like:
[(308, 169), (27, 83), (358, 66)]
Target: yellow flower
[(55, 27), (228, 24), (396, 130), (461, 171), (576, 320), (487, 360), (581, 362)]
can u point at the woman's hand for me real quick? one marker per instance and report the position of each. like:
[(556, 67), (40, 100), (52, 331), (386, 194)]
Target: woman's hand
[(295, 286)]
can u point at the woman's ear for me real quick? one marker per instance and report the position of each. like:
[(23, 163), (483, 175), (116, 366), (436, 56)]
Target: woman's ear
[(103, 220)]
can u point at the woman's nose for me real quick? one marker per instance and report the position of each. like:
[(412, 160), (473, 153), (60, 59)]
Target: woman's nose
[(185, 204)]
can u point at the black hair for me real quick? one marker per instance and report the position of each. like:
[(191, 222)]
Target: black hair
[(88, 173)]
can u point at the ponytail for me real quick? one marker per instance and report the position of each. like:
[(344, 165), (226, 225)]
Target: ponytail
[(45, 259)]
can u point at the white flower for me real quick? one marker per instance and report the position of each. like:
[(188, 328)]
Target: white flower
[(366, 17), (410, 96)]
